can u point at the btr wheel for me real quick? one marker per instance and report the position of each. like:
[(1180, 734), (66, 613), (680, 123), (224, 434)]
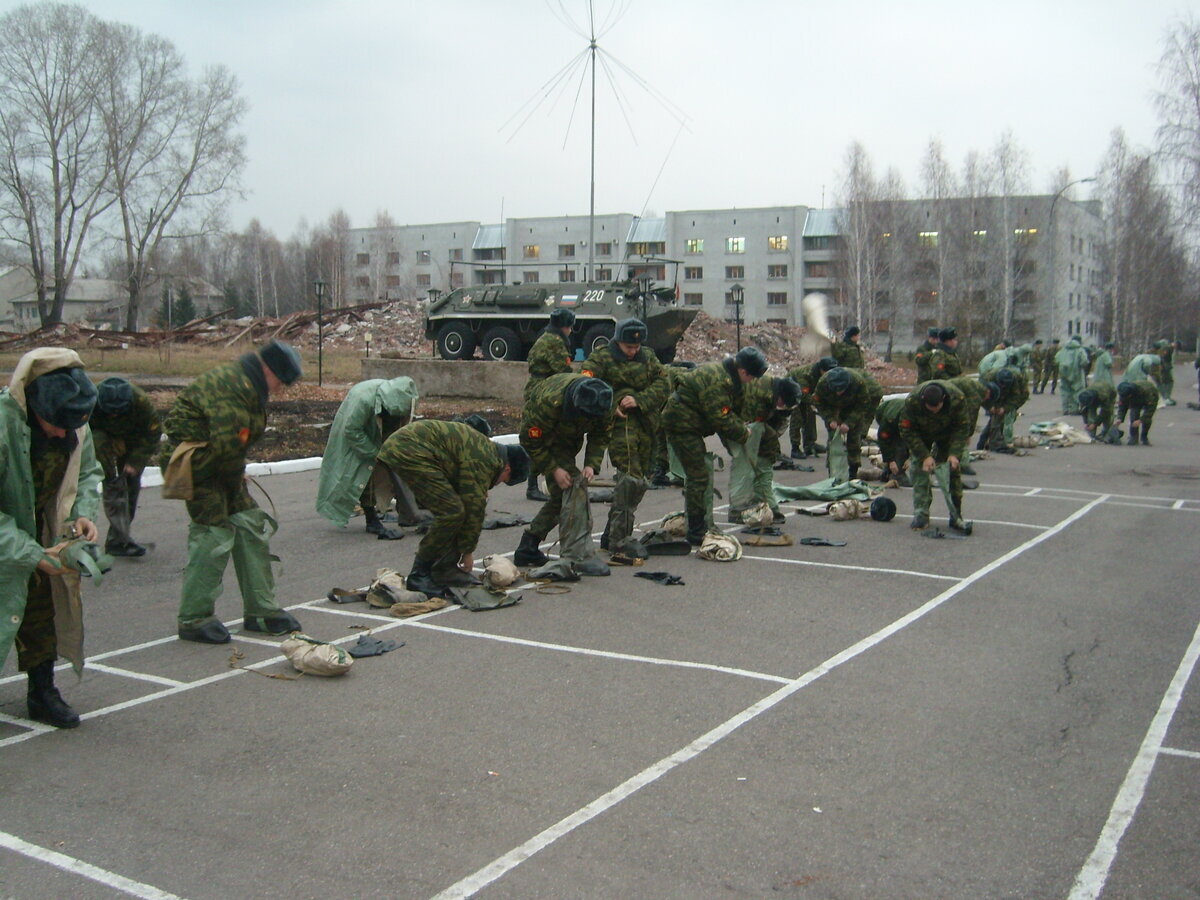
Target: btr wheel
[(455, 341), (666, 355), (596, 337), (501, 343)]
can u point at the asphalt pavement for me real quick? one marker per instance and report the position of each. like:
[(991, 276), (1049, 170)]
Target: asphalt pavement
[(1011, 715)]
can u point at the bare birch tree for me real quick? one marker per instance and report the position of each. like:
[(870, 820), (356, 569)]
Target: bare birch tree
[(1009, 164), (1178, 105)]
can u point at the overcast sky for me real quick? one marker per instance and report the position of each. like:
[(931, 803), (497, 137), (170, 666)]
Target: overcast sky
[(400, 106)]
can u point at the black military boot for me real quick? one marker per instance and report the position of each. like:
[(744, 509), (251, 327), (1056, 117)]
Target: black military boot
[(852, 469), (420, 579), (817, 449), (45, 702), (528, 553), (604, 535), (376, 527), (1133, 435), (697, 527), (799, 453), (532, 492), (451, 575), (1145, 435), (660, 477), (920, 520)]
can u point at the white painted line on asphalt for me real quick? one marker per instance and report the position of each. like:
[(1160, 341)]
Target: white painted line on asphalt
[(1178, 504), (1153, 506), (823, 565), (26, 723), (1089, 883), (606, 654), (87, 870), (140, 676), (1063, 490), (261, 642), (994, 522), (1033, 492), (496, 869), (1171, 751)]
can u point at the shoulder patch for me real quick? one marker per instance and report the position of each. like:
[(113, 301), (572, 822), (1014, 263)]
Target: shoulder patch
[(588, 372), (534, 432), (244, 435), (725, 410), (904, 423)]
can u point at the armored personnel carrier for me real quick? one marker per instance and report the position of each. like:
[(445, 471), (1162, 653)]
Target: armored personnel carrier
[(505, 319)]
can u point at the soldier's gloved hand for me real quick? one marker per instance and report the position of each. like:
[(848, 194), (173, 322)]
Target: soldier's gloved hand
[(929, 464)]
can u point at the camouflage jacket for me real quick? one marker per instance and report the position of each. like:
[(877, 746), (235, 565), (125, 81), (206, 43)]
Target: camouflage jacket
[(887, 414), (807, 377), (922, 358), (1143, 404), (1016, 396), (758, 405), (708, 401), (549, 355), (554, 439), (856, 407), (470, 461), (129, 438), (1100, 412), (1037, 358), (944, 363), (644, 378), (949, 428), (225, 407), (973, 392), (848, 355)]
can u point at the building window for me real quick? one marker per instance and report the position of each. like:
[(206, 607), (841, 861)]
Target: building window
[(456, 279), (363, 259), (529, 277), (923, 298), (777, 271), (423, 280), (735, 245), (456, 254), (423, 257), (1025, 235), (647, 248), (777, 242), (818, 270), (927, 238), (1025, 298), (735, 271), (393, 258), (531, 251), (566, 274), (693, 273), (818, 242), (693, 299), (393, 281), (362, 281), (604, 249), (882, 326), (566, 250), (604, 274), (776, 298), (980, 234), (694, 245)]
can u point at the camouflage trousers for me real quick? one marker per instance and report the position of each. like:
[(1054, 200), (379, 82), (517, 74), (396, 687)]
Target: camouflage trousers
[(1049, 376), (631, 450), (922, 483), (697, 472), (803, 428), (548, 516), (37, 640), (443, 543)]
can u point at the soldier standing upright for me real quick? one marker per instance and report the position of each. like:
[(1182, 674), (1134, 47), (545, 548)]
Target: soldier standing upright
[(639, 385), (561, 412), (549, 355), (210, 429), (48, 496), (1037, 364), (1071, 363), (943, 361), (924, 353), (708, 401), (1050, 368), (936, 426), (126, 432), (1103, 366), (451, 467), (847, 351), (1166, 384), (847, 399)]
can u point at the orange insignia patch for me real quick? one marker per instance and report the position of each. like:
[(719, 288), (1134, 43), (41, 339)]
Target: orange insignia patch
[(588, 372), (535, 432), (724, 410), (904, 423), (244, 435)]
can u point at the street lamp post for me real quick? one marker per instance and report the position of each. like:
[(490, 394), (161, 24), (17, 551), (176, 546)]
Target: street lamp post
[(737, 294), (1054, 251), (319, 288)]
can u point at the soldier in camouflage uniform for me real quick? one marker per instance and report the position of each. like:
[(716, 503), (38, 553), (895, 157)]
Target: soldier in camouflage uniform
[(1071, 362), (1166, 384), (997, 359), (1050, 368), (666, 471), (924, 353), (977, 395), (213, 424), (561, 412), (847, 399), (1037, 363), (803, 430), (1139, 399), (640, 387), (768, 404), (126, 432), (1014, 393), (936, 425), (943, 361), (1097, 405), (451, 466), (549, 355), (847, 352), (1144, 367), (892, 447), (708, 401), (48, 495)]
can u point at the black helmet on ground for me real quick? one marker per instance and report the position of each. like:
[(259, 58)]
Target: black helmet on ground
[(883, 509)]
